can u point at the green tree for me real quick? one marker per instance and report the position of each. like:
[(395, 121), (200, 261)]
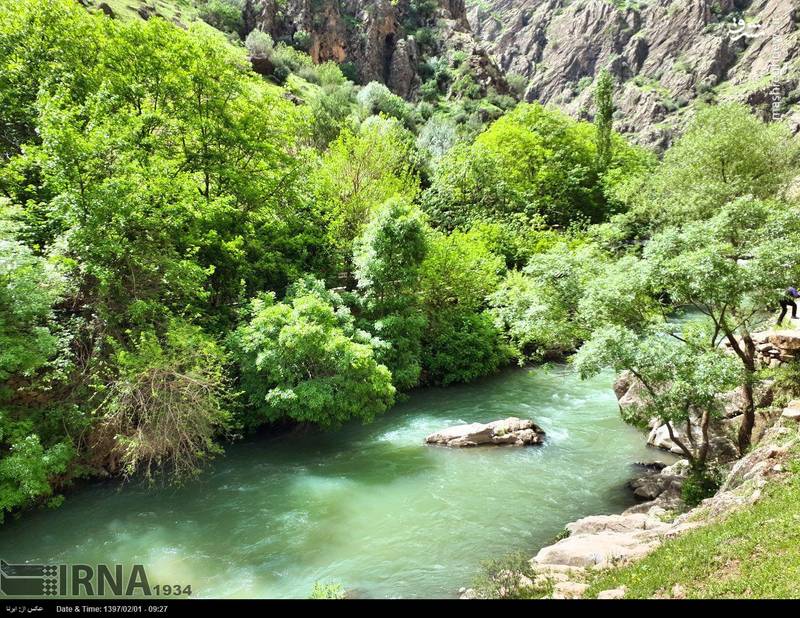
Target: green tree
[(305, 360), (730, 267), (358, 173), (726, 153), (388, 261), (533, 161), (604, 106), (460, 342), (681, 378), (538, 309)]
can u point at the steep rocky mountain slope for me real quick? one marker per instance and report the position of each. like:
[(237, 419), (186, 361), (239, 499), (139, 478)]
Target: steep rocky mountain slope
[(667, 55), (389, 41)]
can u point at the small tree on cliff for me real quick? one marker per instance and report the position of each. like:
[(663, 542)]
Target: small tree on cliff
[(604, 112), (680, 379), (730, 268)]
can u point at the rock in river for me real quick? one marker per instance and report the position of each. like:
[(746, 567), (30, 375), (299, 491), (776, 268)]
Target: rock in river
[(510, 431)]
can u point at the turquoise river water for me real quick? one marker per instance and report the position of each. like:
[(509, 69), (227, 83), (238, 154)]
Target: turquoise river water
[(368, 506)]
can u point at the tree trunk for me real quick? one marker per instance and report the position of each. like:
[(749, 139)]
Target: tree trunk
[(748, 418), (702, 454), (746, 351)]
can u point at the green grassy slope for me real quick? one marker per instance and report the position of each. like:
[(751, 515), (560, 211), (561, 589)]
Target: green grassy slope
[(753, 553)]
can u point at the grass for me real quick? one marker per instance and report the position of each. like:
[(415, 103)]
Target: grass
[(753, 553)]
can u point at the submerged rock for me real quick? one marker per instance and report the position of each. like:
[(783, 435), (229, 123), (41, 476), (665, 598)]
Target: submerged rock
[(510, 431)]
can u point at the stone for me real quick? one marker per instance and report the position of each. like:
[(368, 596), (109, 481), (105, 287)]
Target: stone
[(511, 431), (599, 549), (103, 6), (787, 341), (613, 593), (613, 523), (679, 468), (569, 590), (792, 411)]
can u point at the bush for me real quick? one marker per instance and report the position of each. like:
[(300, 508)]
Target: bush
[(28, 470), (375, 98), (327, 591), (304, 360), (699, 485), (510, 577), (166, 406), (259, 44), (302, 40), (225, 15), (462, 348)]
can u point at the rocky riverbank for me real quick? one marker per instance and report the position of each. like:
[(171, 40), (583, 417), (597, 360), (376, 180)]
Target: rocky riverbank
[(566, 568)]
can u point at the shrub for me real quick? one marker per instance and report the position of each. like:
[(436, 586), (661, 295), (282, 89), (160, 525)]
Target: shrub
[(225, 15), (327, 591), (167, 404), (510, 577), (375, 98), (699, 485), (259, 44), (303, 359)]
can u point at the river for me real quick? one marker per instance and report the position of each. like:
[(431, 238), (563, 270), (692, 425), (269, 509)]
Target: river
[(368, 506)]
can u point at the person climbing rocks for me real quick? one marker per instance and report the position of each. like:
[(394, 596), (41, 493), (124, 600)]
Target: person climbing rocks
[(788, 301)]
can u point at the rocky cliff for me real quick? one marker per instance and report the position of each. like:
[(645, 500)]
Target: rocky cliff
[(666, 55), (385, 40)]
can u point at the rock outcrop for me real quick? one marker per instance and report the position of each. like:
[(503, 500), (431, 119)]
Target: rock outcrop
[(384, 40), (510, 431), (664, 55)]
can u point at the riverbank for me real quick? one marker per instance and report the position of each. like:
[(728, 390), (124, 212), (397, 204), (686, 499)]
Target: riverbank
[(741, 542)]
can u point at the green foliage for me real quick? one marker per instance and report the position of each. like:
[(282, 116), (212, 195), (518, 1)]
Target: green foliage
[(28, 471), (259, 44), (604, 105), (511, 577), (166, 405), (680, 372), (305, 360), (388, 258), (29, 287), (323, 591), (225, 15), (534, 161), (375, 98), (726, 153), (461, 342), (537, 309), (699, 485), (359, 172)]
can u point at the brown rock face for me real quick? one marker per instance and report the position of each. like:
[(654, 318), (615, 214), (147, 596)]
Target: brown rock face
[(377, 36), (663, 53)]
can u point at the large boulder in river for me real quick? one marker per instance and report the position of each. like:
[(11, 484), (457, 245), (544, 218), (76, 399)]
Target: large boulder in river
[(510, 431)]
